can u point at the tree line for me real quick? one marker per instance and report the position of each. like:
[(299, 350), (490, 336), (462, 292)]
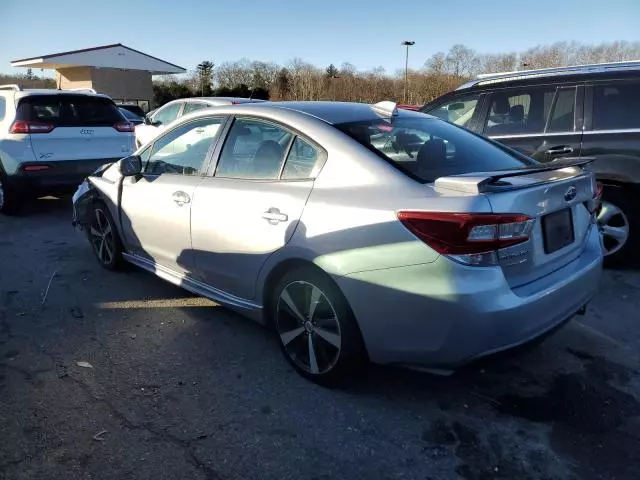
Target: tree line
[(300, 80), (440, 73)]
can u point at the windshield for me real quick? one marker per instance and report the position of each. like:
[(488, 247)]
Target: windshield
[(427, 148), (129, 115)]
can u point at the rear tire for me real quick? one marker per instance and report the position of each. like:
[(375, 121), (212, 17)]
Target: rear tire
[(104, 238), (618, 225), (315, 327)]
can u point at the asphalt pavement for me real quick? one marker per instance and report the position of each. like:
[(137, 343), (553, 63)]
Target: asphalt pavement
[(123, 376)]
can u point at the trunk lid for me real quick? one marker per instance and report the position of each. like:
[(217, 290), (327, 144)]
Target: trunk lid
[(558, 197)]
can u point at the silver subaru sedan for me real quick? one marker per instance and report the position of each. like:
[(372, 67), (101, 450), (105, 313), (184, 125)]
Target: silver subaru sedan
[(355, 232)]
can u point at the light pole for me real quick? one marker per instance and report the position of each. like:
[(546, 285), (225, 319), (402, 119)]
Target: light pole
[(407, 44)]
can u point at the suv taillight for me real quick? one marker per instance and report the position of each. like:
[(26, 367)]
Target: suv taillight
[(23, 126), (473, 238), (124, 127)]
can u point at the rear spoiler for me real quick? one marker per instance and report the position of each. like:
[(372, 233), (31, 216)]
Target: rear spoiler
[(483, 182)]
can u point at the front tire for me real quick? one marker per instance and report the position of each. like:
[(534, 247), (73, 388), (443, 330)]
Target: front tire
[(315, 327), (104, 239)]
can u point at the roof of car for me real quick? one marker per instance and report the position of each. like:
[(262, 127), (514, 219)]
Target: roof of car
[(557, 74), (333, 112)]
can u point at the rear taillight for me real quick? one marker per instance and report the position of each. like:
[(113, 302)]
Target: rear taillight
[(124, 127), (468, 236), (23, 126)]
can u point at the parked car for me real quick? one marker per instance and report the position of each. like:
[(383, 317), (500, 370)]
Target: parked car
[(157, 120), (133, 108), (51, 139), (133, 118), (588, 110), (354, 231)]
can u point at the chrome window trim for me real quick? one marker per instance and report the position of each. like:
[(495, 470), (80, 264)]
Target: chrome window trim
[(527, 135), (614, 130)]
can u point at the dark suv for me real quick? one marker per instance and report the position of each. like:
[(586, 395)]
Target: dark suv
[(589, 110)]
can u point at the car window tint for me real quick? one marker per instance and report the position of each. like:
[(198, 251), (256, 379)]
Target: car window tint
[(616, 106), (3, 107), (428, 148), (69, 110), (301, 160), (167, 114), (459, 110), (193, 106), (253, 150), (519, 111), (562, 118), (183, 151)]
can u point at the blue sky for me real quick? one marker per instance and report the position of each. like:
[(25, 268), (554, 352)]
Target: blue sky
[(364, 33)]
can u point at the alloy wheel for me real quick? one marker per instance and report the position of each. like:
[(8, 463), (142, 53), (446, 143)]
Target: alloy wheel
[(614, 227), (308, 327), (102, 237)]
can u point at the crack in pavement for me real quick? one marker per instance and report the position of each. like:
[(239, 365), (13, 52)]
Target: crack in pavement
[(185, 445)]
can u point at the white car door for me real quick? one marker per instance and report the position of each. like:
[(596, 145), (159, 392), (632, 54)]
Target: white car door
[(146, 132)]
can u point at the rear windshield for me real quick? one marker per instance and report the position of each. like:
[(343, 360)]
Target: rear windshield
[(427, 148), (69, 110)]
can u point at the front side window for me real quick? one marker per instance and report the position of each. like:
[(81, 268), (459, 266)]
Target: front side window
[(253, 150), (167, 114), (427, 148), (616, 106), (3, 106), (458, 111), (518, 111), (183, 151)]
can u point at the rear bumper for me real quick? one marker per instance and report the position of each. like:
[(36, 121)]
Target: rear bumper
[(444, 314), (60, 176)]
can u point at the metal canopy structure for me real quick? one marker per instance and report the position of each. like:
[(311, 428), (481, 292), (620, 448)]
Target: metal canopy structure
[(117, 56)]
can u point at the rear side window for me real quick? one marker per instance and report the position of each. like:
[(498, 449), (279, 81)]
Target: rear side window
[(427, 148), (301, 161), (3, 108), (518, 111), (562, 118), (69, 110), (616, 106), (253, 150)]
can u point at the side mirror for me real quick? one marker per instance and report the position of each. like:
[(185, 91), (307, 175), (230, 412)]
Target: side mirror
[(157, 123), (130, 166)]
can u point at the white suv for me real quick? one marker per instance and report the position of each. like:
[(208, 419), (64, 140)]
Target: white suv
[(50, 140)]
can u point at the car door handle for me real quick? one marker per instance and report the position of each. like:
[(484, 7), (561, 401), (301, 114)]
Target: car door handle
[(560, 150), (274, 216), (181, 198)]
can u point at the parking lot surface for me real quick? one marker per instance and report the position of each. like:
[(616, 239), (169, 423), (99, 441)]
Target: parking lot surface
[(122, 375)]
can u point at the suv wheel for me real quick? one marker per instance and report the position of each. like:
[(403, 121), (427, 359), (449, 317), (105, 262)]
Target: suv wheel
[(316, 329), (9, 201), (616, 227)]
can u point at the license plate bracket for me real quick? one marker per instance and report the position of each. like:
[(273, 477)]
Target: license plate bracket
[(557, 230)]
